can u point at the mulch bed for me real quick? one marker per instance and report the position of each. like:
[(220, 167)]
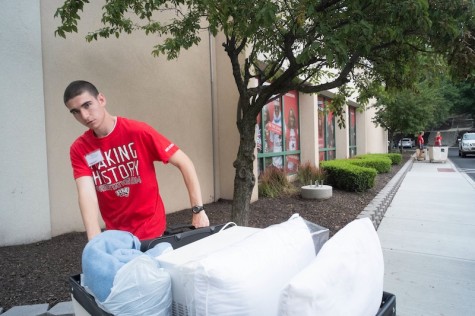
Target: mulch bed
[(38, 273)]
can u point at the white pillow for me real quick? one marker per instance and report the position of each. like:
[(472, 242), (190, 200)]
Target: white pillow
[(346, 277), (247, 278)]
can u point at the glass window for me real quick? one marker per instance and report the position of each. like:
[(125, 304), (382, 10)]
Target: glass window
[(321, 125), (277, 134), (330, 132), (326, 130), (352, 131), (258, 134), (274, 132), (292, 123)]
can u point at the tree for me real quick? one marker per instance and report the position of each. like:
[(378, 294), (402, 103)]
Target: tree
[(462, 97), (409, 111), (304, 45)]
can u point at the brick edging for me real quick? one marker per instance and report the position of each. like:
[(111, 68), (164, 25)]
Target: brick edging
[(376, 209)]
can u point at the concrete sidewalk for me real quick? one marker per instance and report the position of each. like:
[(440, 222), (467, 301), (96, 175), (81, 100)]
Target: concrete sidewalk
[(428, 240)]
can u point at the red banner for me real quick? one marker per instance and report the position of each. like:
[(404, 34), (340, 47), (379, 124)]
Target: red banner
[(274, 128)]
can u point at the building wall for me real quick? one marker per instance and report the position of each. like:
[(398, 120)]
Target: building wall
[(342, 139), (377, 138), (309, 128), (369, 138), (228, 138), (24, 211)]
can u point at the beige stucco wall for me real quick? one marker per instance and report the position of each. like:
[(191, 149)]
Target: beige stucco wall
[(24, 206), (369, 138), (228, 137), (172, 96), (342, 138), (377, 138), (309, 128)]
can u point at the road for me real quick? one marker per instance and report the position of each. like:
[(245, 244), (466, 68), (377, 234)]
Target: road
[(466, 165)]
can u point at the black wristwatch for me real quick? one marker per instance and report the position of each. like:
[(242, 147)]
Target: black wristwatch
[(197, 208)]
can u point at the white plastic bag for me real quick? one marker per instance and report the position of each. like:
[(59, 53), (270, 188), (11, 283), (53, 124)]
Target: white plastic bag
[(140, 288), (346, 277)]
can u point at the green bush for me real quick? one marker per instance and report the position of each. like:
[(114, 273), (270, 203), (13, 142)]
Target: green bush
[(348, 177), (382, 164), (274, 182), (396, 158), (308, 174)]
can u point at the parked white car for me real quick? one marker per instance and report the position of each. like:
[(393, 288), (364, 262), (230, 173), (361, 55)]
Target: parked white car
[(467, 144), (406, 143)]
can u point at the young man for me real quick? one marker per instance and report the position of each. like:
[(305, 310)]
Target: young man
[(420, 146), (114, 172)]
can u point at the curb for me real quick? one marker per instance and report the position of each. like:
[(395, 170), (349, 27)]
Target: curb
[(60, 309), (376, 209)]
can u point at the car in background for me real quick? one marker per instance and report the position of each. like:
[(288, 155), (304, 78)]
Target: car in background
[(467, 144), (406, 143)]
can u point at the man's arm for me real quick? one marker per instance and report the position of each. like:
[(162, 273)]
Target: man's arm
[(89, 206), (187, 169)]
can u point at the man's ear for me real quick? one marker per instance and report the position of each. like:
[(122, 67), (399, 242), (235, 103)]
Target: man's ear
[(102, 99)]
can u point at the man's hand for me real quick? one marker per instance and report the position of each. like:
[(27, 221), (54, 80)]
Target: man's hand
[(200, 220)]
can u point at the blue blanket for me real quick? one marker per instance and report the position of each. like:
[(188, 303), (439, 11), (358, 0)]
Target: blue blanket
[(105, 254)]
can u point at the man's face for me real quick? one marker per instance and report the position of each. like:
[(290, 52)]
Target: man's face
[(277, 109), (87, 109), (291, 121)]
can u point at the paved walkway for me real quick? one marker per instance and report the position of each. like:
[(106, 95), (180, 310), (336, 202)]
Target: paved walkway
[(428, 240)]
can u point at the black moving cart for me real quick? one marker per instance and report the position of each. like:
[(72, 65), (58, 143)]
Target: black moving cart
[(180, 236)]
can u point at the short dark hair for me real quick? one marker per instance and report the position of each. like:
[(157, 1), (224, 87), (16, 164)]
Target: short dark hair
[(78, 87)]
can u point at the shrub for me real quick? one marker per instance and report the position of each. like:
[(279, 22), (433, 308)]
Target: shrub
[(396, 158), (382, 164), (274, 182), (349, 177), (308, 174)]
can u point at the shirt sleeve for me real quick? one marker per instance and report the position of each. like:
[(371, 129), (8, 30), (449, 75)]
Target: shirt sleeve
[(161, 146), (79, 164)]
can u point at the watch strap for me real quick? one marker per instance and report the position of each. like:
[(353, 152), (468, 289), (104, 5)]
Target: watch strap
[(197, 208)]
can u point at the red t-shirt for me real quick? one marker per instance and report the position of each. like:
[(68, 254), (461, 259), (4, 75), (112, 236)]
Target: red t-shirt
[(420, 140), (125, 178)]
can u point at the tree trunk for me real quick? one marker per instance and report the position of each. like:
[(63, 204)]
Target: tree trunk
[(244, 179)]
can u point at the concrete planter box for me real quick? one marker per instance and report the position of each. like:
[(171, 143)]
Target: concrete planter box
[(315, 192)]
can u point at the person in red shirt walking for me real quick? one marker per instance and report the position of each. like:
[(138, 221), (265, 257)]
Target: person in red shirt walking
[(420, 146), (438, 139), (113, 165)]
